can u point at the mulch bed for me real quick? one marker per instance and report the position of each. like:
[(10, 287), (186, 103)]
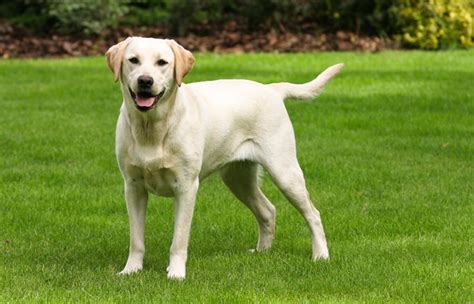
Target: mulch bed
[(20, 43)]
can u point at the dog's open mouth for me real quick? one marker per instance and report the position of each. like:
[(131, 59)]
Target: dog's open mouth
[(145, 101)]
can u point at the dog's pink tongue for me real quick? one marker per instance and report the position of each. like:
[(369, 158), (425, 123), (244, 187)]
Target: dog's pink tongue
[(145, 102)]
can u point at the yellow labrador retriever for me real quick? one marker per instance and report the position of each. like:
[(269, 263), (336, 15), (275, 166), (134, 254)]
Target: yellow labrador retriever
[(171, 135)]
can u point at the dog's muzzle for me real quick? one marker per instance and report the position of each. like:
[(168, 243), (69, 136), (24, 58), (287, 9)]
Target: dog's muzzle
[(145, 100)]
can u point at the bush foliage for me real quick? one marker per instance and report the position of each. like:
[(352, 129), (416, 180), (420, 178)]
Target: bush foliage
[(426, 24), (91, 17), (434, 24)]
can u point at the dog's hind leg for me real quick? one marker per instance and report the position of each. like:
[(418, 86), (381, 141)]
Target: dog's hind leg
[(242, 179), (281, 163)]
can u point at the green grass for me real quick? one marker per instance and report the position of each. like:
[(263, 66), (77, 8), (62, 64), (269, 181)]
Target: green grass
[(387, 152)]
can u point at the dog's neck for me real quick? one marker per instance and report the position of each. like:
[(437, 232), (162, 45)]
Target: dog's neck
[(150, 128)]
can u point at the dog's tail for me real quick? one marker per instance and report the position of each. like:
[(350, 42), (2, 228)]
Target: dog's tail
[(307, 90)]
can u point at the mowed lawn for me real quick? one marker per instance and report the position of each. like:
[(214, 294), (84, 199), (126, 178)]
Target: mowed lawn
[(387, 151)]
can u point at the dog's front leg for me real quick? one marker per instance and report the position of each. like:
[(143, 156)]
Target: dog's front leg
[(185, 200), (137, 198)]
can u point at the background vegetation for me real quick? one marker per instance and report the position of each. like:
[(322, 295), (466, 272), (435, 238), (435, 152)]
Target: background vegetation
[(426, 24)]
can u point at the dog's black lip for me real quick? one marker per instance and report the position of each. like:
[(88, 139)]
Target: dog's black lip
[(144, 109)]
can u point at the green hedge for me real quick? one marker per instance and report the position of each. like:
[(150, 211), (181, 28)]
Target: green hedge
[(426, 24), (434, 24)]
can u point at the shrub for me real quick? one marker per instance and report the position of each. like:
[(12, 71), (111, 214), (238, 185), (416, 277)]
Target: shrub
[(366, 16), (178, 15), (434, 24), (147, 13), (89, 17), (26, 14), (426, 24)]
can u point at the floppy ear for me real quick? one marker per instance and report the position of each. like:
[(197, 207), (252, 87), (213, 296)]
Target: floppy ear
[(183, 61), (115, 55)]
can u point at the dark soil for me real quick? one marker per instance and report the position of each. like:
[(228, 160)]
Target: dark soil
[(20, 43)]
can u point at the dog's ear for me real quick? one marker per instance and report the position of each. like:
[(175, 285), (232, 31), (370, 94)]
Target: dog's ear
[(183, 61), (115, 55)]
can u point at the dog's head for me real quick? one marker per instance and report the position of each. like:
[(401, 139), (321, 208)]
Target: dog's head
[(149, 69)]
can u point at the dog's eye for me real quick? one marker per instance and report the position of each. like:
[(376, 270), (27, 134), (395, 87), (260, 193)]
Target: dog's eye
[(134, 60), (162, 62)]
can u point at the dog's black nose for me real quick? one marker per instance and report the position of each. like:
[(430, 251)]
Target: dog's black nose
[(145, 81)]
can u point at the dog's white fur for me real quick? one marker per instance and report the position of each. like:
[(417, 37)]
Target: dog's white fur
[(195, 129)]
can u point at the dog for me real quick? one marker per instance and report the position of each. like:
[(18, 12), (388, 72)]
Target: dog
[(170, 136)]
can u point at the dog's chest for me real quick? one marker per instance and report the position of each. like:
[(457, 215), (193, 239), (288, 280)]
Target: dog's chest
[(154, 165), (159, 182)]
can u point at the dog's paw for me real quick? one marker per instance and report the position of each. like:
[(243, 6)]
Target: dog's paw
[(320, 251), (129, 269), (259, 251), (176, 272), (323, 256)]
